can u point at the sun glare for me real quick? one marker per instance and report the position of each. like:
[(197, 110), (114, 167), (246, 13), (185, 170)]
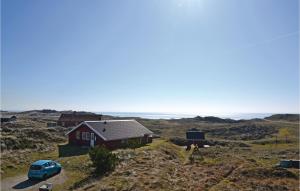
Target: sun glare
[(189, 3)]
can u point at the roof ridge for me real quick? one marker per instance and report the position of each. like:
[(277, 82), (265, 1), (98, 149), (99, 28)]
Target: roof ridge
[(111, 120)]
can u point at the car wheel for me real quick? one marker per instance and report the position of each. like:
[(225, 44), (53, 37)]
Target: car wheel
[(44, 176), (58, 171)]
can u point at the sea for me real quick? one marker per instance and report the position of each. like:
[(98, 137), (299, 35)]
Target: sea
[(236, 116), (156, 115)]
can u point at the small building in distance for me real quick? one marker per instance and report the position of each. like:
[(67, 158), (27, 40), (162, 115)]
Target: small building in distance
[(8, 118), (75, 118), (289, 164), (51, 124), (110, 133), (195, 136)]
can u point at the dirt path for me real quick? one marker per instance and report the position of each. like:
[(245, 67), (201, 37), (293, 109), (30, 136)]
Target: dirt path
[(22, 183)]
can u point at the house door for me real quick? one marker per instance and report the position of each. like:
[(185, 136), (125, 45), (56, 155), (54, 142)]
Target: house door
[(92, 143)]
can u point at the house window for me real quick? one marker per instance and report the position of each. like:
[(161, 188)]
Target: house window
[(78, 135), (85, 136)]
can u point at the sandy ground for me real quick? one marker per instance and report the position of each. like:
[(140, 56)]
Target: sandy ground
[(22, 183)]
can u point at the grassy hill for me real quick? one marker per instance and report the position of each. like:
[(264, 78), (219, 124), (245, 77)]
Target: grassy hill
[(242, 155), (284, 117)]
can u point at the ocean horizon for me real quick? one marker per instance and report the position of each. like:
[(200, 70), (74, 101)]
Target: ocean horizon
[(161, 115), (154, 115)]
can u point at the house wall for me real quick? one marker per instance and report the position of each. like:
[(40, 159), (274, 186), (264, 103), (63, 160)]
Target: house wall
[(99, 141), (68, 123), (69, 120), (195, 135), (5, 120), (8, 119), (80, 142)]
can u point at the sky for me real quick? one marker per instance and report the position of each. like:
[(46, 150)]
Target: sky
[(178, 56)]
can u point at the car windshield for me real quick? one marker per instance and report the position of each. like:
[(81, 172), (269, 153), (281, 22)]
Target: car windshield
[(35, 167)]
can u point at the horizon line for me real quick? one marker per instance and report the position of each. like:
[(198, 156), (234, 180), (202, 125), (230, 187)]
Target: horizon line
[(148, 112)]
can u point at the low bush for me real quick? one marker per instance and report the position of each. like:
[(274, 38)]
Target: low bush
[(103, 160), (179, 141), (268, 173), (134, 143)]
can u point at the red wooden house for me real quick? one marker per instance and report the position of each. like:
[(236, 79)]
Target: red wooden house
[(111, 133), (75, 118)]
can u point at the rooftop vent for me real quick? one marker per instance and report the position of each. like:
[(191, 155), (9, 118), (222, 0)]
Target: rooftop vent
[(104, 130)]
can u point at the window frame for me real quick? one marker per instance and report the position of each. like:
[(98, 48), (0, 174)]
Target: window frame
[(88, 136)]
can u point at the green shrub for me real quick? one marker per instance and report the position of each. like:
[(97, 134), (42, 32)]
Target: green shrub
[(134, 143), (103, 159)]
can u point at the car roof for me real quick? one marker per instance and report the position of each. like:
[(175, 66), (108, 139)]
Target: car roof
[(41, 162)]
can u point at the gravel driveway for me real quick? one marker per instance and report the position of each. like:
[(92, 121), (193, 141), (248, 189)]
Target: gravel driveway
[(22, 183)]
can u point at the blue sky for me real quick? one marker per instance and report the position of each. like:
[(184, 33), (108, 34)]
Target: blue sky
[(180, 56)]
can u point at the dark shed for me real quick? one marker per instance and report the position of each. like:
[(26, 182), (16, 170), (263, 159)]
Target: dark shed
[(290, 163)]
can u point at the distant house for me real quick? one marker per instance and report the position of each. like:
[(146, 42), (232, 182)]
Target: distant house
[(289, 164), (75, 118), (111, 133), (195, 136), (8, 118), (51, 124)]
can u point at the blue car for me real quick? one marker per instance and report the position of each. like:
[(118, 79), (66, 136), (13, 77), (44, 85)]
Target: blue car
[(42, 169)]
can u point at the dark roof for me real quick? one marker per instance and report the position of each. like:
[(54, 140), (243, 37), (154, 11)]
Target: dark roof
[(79, 117), (117, 129), (193, 129), (8, 116)]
